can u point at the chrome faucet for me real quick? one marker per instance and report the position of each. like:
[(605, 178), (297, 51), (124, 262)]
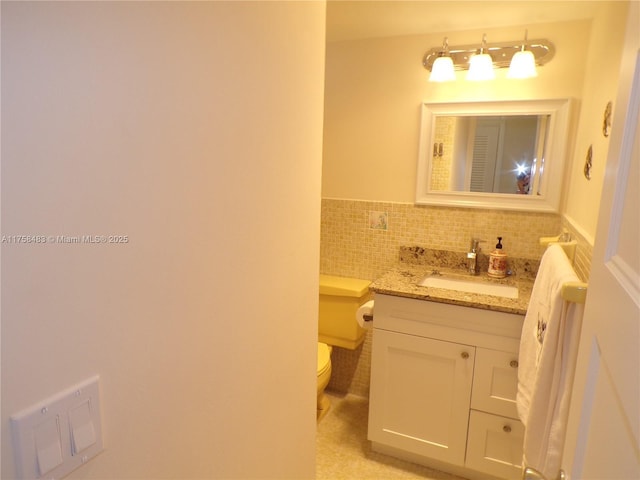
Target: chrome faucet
[(472, 256)]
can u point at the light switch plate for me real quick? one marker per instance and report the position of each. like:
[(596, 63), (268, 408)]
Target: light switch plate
[(74, 416)]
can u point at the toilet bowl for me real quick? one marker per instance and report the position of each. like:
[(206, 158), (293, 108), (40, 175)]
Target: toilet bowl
[(324, 374), (340, 298)]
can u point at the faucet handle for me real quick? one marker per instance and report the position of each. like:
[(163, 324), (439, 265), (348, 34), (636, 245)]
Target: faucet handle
[(475, 244)]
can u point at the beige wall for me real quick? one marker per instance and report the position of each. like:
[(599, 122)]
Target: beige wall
[(375, 87), (600, 86), (189, 128)]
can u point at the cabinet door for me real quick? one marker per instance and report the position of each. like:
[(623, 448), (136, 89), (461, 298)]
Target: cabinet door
[(420, 395), (495, 382), (495, 445)]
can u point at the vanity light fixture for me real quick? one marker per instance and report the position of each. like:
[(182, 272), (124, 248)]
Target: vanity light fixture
[(442, 70), (523, 63), (501, 55), (481, 64)]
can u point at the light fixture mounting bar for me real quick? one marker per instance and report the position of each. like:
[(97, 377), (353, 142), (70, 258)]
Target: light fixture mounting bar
[(501, 53)]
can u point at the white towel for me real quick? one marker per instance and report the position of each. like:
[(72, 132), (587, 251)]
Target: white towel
[(548, 349)]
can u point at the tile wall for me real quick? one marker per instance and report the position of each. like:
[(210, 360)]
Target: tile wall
[(584, 252), (362, 239)]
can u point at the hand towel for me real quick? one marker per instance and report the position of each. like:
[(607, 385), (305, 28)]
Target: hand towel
[(548, 349)]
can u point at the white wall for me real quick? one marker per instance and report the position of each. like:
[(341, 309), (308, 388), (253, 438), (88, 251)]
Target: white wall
[(195, 130)]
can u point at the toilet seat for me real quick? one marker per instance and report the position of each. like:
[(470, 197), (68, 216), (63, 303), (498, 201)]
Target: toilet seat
[(324, 358)]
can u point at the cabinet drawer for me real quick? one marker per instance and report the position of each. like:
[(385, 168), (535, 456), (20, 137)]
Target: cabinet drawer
[(495, 382), (452, 323), (494, 445)]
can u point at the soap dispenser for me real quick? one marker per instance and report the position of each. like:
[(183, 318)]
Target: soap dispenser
[(498, 262)]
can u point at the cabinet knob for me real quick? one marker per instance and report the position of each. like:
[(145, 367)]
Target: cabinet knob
[(506, 429), (464, 355), (513, 363)]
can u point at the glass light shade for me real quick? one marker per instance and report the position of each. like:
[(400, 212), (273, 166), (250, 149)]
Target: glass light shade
[(442, 70), (523, 65), (481, 68)]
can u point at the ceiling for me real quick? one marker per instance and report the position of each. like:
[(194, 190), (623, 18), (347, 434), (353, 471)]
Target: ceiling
[(351, 20)]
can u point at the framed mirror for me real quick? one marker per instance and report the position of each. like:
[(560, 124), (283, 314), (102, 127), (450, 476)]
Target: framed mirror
[(507, 155)]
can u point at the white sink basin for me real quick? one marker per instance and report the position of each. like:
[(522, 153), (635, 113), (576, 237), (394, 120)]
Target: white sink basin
[(468, 286)]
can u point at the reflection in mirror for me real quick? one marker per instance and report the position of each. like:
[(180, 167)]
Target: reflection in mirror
[(505, 154), (499, 154)]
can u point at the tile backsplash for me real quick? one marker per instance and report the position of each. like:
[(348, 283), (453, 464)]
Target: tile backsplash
[(363, 239), (350, 247)]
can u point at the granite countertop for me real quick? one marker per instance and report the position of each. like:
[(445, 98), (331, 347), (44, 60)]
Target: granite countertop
[(403, 281)]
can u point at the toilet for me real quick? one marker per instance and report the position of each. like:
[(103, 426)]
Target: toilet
[(340, 298)]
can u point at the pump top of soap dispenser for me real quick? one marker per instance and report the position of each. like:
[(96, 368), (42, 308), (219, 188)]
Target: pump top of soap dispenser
[(499, 245)]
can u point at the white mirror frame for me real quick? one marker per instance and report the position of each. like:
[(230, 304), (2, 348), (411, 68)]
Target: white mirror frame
[(555, 154)]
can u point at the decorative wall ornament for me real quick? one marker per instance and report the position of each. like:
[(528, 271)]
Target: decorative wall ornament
[(606, 123), (588, 163), (378, 220)]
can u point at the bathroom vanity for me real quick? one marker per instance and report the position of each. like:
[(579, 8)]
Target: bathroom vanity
[(444, 376)]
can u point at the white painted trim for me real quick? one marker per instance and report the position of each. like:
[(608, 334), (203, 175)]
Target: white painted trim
[(549, 201)]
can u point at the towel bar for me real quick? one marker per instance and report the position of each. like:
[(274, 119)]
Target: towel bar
[(575, 292)]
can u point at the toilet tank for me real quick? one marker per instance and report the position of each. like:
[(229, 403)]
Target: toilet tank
[(340, 298)]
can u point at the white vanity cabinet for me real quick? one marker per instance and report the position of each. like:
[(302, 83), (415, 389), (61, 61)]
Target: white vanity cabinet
[(443, 384)]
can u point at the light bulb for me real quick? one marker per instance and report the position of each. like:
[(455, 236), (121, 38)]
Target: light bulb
[(523, 65), (442, 70), (481, 68)]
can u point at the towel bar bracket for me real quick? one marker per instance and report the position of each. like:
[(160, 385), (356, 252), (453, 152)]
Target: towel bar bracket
[(533, 474)]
